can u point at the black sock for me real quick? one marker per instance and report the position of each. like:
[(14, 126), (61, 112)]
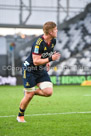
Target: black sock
[(21, 112)]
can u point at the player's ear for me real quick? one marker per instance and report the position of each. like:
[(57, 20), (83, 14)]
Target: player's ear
[(50, 32)]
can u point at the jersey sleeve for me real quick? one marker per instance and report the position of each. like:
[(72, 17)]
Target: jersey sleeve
[(37, 47)]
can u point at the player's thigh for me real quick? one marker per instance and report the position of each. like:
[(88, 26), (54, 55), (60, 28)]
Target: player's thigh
[(48, 91), (46, 87), (44, 83)]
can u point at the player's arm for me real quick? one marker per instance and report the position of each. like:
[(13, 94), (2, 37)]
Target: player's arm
[(37, 60)]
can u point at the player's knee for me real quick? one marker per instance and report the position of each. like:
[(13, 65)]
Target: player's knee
[(49, 92), (29, 95)]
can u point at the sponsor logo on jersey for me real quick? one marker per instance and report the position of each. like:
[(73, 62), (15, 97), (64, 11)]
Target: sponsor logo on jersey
[(36, 50), (26, 63), (45, 49), (45, 55)]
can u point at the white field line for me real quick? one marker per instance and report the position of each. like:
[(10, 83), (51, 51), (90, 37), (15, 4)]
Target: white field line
[(87, 95), (45, 114)]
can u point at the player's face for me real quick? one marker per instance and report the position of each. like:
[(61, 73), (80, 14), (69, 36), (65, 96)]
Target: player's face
[(54, 32)]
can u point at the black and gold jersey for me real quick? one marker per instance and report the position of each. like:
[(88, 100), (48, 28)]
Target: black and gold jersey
[(40, 47)]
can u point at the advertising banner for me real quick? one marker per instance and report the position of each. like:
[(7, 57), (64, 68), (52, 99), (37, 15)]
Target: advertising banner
[(70, 80)]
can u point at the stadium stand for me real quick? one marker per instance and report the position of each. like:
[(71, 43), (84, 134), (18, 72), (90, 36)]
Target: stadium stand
[(80, 64), (75, 46)]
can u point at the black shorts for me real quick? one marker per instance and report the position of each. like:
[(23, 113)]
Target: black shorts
[(32, 78)]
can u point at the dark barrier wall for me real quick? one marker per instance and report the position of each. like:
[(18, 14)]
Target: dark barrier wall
[(69, 80), (3, 64)]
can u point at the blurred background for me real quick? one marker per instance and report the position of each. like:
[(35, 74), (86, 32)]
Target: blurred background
[(21, 22)]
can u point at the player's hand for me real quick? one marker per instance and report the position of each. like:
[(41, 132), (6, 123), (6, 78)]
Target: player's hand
[(56, 56), (48, 66)]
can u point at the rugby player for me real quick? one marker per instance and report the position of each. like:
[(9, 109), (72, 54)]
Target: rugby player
[(34, 72)]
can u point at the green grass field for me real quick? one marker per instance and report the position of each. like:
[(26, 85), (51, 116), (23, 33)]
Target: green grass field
[(66, 113)]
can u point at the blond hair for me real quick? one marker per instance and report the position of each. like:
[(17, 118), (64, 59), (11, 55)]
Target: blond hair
[(48, 26)]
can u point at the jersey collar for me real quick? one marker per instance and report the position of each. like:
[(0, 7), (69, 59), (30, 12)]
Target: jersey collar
[(48, 44)]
